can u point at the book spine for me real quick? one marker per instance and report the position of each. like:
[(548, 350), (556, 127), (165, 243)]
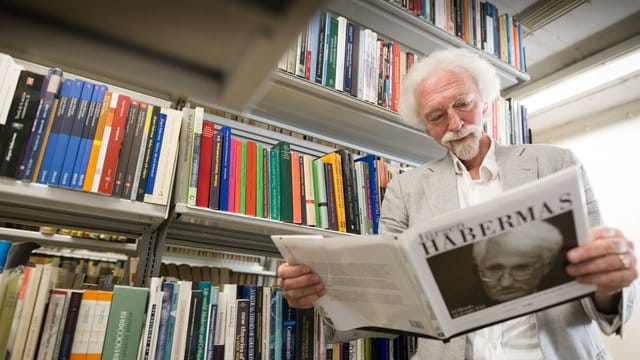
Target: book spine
[(348, 57), (104, 143), (203, 313), (231, 195), (84, 325), (274, 184), (250, 179), (135, 153), (70, 325), (259, 188), (214, 188), (36, 138), (322, 215), (286, 194), (20, 120), (195, 157), (241, 177), (289, 332), (110, 164), (155, 157), (148, 153), (266, 185), (241, 329), (309, 191), (204, 171), (75, 134), (125, 148), (168, 156), (296, 205), (332, 215), (88, 135), (99, 325), (224, 167), (126, 319)]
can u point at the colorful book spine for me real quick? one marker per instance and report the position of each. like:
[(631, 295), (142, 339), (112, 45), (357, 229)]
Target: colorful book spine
[(225, 133), (296, 205), (142, 152), (148, 152), (104, 143), (250, 178), (38, 131), (370, 161), (231, 193), (99, 325), (122, 162), (204, 171), (241, 177), (195, 156), (155, 157), (114, 144), (286, 196), (88, 136), (75, 136), (214, 188), (274, 184), (259, 190), (131, 170), (124, 327)]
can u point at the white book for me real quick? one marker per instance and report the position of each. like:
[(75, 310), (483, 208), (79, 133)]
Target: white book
[(266, 321), (28, 303), (362, 51), (47, 281), (301, 49), (17, 315), (104, 144), (150, 329), (168, 157), (183, 172), (221, 322), (182, 318), (439, 17), (374, 67), (8, 88), (99, 324), (230, 291), (340, 52), (194, 155)]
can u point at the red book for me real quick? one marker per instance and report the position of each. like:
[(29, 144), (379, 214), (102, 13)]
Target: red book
[(295, 188), (231, 207), (250, 189), (204, 167), (113, 147), (238, 176)]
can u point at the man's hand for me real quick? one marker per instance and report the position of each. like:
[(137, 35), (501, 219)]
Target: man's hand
[(300, 286), (607, 261)]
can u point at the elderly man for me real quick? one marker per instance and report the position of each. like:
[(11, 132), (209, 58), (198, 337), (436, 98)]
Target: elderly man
[(449, 93)]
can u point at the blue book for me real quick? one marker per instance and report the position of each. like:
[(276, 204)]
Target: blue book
[(76, 134), (155, 154), (171, 322), (275, 329), (348, 58), (212, 323), (370, 161), (289, 318), (224, 168), (249, 292), (34, 145), (314, 31), (52, 140), (65, 133), (167, 296), (205, 288), (88, 133)]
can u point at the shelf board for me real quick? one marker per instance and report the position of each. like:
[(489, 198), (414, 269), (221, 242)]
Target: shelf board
[(237, 266), (97, 248), (76, 209), (220, 230), (395, 23), (315, 109), (204, 50)]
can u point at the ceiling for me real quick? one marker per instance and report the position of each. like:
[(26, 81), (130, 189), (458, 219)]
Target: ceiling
[(595, 31)]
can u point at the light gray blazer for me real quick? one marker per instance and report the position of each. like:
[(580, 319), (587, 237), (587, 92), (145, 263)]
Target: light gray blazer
[(565, 332)]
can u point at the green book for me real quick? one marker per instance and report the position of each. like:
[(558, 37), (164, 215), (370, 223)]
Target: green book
[(286, 194), (332, 55), (243, 179), (274, 184), (259, 180), (126, 319)]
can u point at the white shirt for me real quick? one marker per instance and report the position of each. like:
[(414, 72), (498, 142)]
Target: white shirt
[(516, 338)]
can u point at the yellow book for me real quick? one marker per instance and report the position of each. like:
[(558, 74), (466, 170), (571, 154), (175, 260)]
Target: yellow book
[(336, 165)]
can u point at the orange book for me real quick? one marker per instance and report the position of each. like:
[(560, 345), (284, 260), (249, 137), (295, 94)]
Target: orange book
[(515, 46), (113, 147), (97, 141), (336, 169), (295, 188), (250, 190)]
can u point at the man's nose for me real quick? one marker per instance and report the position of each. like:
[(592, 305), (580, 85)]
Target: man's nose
[(505, 279), (455, 122)]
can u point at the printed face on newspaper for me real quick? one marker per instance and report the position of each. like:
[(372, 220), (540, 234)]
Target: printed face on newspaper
[(464, 270)]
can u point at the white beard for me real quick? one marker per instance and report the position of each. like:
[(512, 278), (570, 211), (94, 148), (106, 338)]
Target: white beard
[(468, 149)]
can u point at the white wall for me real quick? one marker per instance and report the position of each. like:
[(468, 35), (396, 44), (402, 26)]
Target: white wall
[(611, 158)]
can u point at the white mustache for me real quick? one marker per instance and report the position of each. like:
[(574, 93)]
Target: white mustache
[(464, 131)]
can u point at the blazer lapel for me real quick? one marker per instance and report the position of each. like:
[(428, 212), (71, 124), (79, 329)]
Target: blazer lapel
[(515, 167), (441, 187)]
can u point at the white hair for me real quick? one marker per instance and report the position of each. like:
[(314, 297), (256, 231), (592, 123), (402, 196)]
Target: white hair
[(454, 59), (538, 237)]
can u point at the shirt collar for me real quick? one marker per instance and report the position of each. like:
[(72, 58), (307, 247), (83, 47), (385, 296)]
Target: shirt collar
[(488, 170)]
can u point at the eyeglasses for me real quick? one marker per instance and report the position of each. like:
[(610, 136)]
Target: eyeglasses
[(518, 272), (462, 103)]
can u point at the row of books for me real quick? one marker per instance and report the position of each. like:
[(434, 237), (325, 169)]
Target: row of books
[(507, 122), (334, 191), (343, 55), (80, 135), (215, 275), (478, 23)]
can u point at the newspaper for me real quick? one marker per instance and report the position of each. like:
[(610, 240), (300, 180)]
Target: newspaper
[(461, 271)]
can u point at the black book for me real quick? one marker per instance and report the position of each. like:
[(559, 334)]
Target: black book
[(305, 334), (148, 149), (22, 114), (321, 44), (348, 184), (331, 197), (136, 151), (191, 346), (242, 329), (125, 148)]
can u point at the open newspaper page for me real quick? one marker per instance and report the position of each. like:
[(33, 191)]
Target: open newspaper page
[(503, 258), (367, 283), (461, 271)]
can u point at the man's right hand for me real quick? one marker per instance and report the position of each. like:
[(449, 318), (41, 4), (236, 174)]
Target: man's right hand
[(300, 286)]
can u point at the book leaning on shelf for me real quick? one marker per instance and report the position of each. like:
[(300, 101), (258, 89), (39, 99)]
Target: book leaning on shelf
[(438, 280)]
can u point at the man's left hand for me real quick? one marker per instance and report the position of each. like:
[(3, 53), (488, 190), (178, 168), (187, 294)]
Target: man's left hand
[(607, 261)]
